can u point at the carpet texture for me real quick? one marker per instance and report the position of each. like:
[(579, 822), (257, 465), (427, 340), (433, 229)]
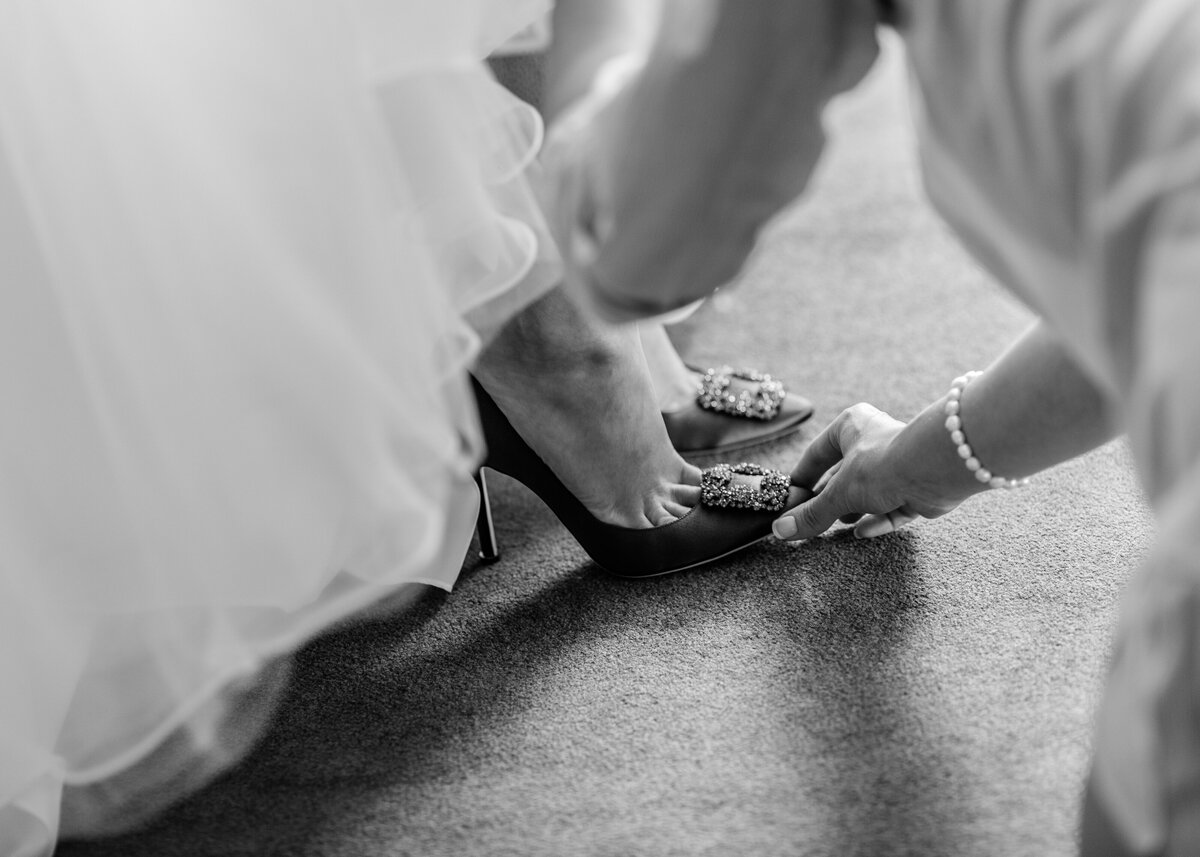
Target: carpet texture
[(929, 693)]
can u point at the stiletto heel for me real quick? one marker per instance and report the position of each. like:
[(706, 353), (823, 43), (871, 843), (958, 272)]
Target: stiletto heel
[(489, 550), (703, 535)]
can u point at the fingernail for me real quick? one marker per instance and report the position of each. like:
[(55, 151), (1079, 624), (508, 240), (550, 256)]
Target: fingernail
[(784, 528)]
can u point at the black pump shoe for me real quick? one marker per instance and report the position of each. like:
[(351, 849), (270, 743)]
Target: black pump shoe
[(702, 536), (721, 421)]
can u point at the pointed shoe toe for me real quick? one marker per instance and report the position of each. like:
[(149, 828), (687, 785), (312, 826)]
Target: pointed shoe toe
[(697, 431), (704, 535)]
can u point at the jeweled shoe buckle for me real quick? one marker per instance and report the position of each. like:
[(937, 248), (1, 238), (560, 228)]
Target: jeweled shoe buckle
[(717, 488), (758, 403)]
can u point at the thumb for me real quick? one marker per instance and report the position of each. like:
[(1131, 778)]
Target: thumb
[(810, 518)]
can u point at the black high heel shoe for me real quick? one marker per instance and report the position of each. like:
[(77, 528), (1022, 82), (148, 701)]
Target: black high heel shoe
[(702, 536), (726, 416)]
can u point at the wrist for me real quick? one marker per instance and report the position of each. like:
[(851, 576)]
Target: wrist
[(931, 460), (956, 427)]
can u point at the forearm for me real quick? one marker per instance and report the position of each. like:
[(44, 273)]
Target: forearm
[(587, 34), (713, 141), (1033, 408)]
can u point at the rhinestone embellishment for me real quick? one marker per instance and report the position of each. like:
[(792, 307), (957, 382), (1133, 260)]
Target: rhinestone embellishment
[(760, 402), (717, 488)]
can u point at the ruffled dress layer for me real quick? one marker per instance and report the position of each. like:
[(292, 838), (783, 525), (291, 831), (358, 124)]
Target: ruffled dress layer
[(247, 251), (1062, 141)]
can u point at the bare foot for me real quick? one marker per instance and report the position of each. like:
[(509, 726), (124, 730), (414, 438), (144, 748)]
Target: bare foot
[(677, 385), (580, 395)]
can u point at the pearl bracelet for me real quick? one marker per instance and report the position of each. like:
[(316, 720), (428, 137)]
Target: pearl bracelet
[(955, 427)]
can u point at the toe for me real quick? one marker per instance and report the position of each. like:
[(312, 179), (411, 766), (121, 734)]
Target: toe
[(686, 495), (679, 510), (669, 513)]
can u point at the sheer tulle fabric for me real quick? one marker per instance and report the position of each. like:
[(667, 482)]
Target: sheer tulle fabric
[(248, 251)]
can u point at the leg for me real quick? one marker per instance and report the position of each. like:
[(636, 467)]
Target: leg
[(588, 35), (580, 394), (674, 382)]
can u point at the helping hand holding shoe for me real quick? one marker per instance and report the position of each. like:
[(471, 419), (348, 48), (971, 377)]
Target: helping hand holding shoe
[(864, 470)]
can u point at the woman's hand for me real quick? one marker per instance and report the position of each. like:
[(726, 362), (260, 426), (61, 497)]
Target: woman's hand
[(1031, 409), (868, 469), (660, 202)]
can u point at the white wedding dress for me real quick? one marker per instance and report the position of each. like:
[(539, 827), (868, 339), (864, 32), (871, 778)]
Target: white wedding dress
[(247, 251)]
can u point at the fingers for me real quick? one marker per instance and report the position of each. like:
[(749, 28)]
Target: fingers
[(872, 526), (811, 518), (842, 467), (796, 496), (817, 471), (826, 476), (806, 522), (821, 455)]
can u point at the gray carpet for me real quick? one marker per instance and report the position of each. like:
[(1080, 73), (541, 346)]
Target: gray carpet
[(929, 693)]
